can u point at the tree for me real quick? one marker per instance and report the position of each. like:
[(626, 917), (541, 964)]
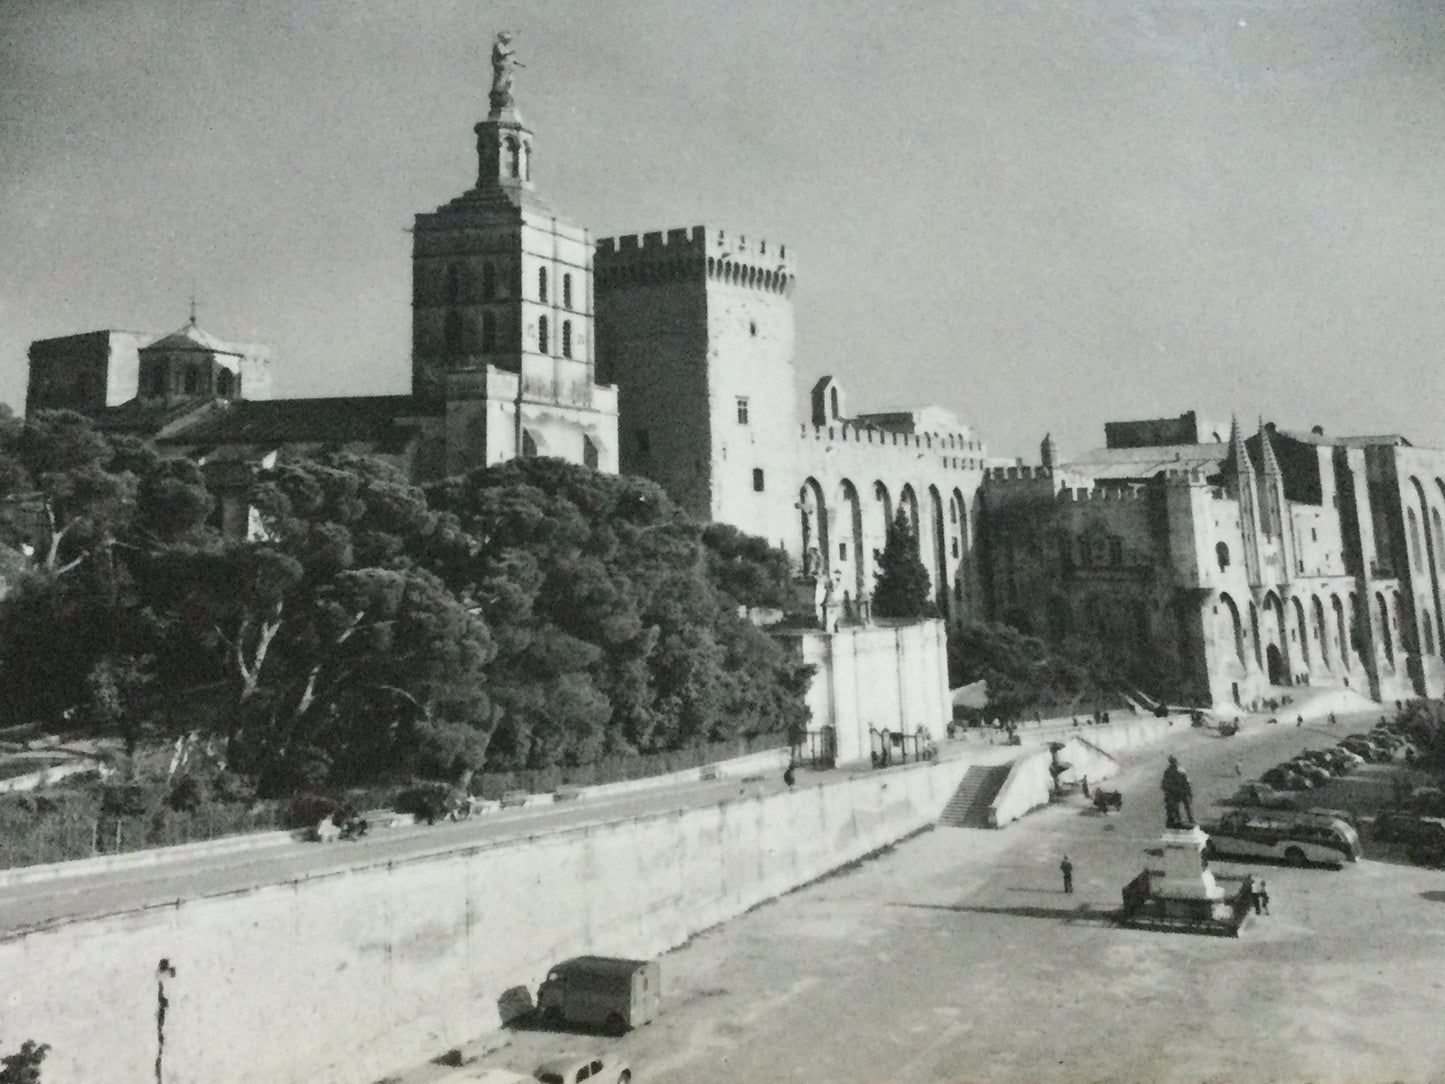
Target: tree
[(901, 586), (23, 1067)]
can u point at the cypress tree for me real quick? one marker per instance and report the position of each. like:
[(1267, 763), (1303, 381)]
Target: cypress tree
[(901, 587)]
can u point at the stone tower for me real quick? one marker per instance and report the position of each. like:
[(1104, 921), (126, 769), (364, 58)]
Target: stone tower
[(695, 327), (502, 310)]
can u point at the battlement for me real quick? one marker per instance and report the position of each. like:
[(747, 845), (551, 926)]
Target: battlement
[(696, 239), (1019, 474), (674, 255), (882, 438), (1116, 494)]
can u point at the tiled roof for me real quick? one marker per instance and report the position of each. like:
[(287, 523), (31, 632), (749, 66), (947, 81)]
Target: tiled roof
[(379, 419), (191, 337)]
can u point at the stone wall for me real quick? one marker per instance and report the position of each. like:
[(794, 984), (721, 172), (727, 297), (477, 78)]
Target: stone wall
[(346, 977)]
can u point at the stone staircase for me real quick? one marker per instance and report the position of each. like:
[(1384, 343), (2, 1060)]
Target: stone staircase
[(968, 808)]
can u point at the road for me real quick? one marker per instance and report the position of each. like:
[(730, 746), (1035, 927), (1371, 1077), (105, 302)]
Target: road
[(71, 897), (957, 957)]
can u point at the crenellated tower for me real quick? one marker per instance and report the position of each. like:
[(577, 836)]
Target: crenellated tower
[(695, 326)]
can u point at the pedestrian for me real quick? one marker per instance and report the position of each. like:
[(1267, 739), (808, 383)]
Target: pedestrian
[(1238, 768), (1251, 898), (1333, 720), (1261, 898), (1067, 869), (789, 777), (1299, 721)]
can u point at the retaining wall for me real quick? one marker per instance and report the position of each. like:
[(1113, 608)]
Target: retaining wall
[(346, 977), (1029, 782)]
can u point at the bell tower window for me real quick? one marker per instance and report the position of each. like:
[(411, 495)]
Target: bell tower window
[(542, 344), (566, 338), (542, 285), (566, 291)]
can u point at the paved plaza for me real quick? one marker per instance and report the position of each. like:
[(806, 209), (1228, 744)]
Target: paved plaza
[(957, 957)]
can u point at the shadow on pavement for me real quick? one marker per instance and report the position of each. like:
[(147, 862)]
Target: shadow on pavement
[(1082, 913), (1434, 896)]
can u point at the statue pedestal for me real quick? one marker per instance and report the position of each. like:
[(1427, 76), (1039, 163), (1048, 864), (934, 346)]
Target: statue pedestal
[(1179, 870)]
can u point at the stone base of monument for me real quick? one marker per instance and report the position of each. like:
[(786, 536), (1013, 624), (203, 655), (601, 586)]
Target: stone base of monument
[(1178, 891)]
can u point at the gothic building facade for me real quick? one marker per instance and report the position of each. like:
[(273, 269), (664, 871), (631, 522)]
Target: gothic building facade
[(1232, 570)]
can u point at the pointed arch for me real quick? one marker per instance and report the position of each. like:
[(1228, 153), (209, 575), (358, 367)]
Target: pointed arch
[(1386, 640), (938, 531), (1236, 627), (1342, 639), (850, 549), (908, 504), (1254, 636), (1302, 629), (813, 524), (1321, 630)]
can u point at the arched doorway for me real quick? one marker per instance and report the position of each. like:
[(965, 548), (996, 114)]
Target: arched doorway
[(813, 514), (1274, 661)]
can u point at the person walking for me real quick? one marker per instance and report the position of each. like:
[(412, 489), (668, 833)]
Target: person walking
[(1261, 898), (789, 776), (1067, 869)]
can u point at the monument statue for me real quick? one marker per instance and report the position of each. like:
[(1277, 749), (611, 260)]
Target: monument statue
[(1178, 795), (504, 64)]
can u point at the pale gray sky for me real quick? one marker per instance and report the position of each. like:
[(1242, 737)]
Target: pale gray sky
[(1040, 213)]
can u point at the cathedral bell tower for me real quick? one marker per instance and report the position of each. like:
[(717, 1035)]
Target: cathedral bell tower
[(502, 310)]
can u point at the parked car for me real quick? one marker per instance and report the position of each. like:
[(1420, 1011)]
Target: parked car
[(1315, 773), (572, 1069), (1401, 826), (1258, 794), (1283, 778)]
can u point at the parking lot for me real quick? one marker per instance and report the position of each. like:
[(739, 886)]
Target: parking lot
[(957, 957)]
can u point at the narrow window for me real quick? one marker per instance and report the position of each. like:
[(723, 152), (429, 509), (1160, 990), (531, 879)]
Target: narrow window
[(514, 157), (1221, 554), (955, 547), (842, 551), (757, 479), (833, 402), (566, 291), (529, 445), (753, 328), (566, 338), (542, 284), (542, 344), (742, 410)]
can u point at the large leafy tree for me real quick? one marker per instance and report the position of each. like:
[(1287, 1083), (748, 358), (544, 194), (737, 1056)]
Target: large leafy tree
[(615, 614), (324, 652), (901, 583)]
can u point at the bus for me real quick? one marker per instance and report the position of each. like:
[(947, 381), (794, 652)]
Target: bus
[(1301, 839)]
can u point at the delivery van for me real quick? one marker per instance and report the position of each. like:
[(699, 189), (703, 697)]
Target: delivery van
[(602, 992)]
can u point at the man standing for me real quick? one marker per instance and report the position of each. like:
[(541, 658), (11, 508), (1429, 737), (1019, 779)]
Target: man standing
[(1261, 898), (1067, 869)]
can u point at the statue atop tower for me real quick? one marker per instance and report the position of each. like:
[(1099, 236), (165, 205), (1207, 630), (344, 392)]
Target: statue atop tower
[(504, 65)]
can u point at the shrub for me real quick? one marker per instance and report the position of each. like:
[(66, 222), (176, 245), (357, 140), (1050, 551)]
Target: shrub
[(24, 1067)]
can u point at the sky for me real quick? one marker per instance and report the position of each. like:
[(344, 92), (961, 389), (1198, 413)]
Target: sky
[(1040, 214)]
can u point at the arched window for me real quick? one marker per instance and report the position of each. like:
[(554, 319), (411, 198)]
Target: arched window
[(832, 402), (566, 338), (566, 291), (542, 284), (514, 157), (543, 346), (526, 161), (489, 332), (1414, 526), (489, 281)]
